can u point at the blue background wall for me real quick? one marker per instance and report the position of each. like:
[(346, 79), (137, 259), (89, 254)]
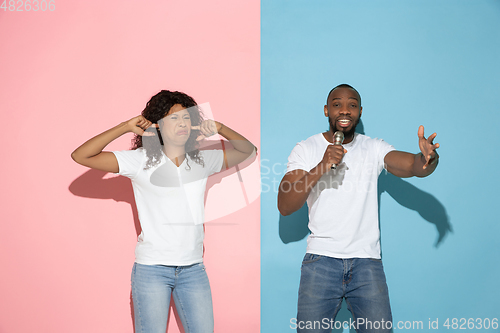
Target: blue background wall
[(430, 62)]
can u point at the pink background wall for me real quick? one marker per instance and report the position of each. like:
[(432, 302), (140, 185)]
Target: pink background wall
[(67, 235)]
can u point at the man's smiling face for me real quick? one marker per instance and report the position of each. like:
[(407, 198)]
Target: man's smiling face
[(343, 111)]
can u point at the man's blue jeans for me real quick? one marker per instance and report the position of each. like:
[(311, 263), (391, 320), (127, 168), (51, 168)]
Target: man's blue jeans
[(152, 286), (325, 281)]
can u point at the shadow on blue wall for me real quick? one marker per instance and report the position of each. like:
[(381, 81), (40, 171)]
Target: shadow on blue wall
[(294, 228), (425, 204)]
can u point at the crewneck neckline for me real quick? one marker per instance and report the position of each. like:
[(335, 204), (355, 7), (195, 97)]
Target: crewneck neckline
[(172, 162), (350, 144)]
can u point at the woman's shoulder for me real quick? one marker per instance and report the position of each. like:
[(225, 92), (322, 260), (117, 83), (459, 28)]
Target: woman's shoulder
[(210, 152), (138, 154), (212, 159)]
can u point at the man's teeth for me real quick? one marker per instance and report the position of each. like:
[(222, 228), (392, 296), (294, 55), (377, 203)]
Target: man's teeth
[(344, 121)]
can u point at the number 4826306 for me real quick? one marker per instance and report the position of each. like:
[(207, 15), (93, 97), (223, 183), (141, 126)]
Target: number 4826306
[(471, 323), (28, 5)]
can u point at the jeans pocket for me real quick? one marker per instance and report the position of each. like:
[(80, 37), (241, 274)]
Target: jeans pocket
[(310, 258)]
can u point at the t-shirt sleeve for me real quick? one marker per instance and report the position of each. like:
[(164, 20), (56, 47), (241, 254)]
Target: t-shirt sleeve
[(130, 162), (297, 159), (383, 149), (213, 160)]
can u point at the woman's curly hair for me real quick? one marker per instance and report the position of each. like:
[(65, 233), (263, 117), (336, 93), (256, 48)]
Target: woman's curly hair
[(158, 107)]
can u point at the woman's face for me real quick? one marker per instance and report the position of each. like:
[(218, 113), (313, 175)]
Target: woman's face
[(175, 127)]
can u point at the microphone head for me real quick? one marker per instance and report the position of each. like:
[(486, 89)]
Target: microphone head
[(338, 137)]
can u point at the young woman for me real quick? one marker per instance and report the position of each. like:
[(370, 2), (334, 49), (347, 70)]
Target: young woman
[(169, 176)]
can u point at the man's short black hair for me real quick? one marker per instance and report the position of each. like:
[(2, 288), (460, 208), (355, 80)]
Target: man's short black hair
[(344, 85)]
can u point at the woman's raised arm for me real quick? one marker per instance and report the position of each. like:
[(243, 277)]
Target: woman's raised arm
[(242, 150), (90, 153)]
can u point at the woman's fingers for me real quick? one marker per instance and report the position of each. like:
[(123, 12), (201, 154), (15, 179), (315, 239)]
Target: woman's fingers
[(140, 125), (207, 128)]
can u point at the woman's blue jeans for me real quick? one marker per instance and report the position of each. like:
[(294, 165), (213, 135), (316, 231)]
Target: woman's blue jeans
[(325, 281), (152, 286)]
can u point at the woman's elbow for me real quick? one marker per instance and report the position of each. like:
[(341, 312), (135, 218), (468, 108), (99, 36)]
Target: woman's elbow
[(74, 157), (77, 158)]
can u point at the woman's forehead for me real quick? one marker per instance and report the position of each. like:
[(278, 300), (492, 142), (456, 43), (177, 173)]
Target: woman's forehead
[(177, 109)]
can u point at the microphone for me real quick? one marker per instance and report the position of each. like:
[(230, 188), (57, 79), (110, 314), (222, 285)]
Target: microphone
[(338, 138)]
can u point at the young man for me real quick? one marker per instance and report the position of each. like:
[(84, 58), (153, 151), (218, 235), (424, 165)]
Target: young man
[(339, 183)]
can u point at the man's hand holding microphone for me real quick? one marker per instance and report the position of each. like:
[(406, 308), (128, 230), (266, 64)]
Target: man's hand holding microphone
[(333, 153)]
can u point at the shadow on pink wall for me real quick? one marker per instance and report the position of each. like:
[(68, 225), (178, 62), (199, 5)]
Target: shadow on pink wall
[(92, 184)]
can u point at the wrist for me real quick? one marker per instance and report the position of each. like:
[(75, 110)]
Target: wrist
[(125, 127), (121, 129), (421, 157), (320, 169)]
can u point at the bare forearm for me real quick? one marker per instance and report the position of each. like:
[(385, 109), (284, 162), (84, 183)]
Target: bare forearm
[(403, 164), (95, 145), (239, 142), (293, 194)]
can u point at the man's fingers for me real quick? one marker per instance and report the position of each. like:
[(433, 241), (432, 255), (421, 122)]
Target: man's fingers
[(195, 128), (431, 138), (427, 147), (334, 154), (433, 147), (200, 137), (420, 132), (430, 159)]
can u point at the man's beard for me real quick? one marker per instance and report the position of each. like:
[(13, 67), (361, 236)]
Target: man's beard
[(347, 134)]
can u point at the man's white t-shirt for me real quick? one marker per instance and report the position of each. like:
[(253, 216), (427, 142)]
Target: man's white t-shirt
[(343, 205), (170, 205)]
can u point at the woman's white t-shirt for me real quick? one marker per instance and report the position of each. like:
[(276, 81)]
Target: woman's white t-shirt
[(170, 205)]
